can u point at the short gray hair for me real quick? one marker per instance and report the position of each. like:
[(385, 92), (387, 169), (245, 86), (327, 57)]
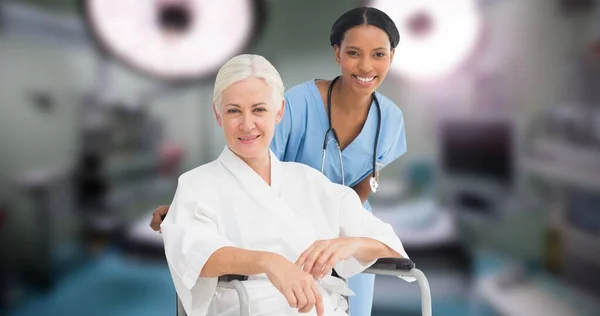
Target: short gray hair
[(245, 66)]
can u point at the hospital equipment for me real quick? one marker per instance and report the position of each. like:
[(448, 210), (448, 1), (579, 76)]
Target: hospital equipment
[(374, 181), (477, 161), (385, 266), (118, 165), (563, 154), (513, 289)]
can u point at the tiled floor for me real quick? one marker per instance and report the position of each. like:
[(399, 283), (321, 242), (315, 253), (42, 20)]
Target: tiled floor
[(111, 286)]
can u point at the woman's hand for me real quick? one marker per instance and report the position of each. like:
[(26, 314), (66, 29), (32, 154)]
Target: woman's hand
[(157, 217), (320, 258), (298, 287)]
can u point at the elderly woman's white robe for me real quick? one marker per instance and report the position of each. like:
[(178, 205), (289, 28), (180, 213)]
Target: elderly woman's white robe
[(225, 203)]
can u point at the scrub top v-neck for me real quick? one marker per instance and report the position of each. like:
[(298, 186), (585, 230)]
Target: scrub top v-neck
[(300, 134)]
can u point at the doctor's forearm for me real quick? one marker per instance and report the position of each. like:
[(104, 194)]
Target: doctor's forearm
[(372, 249), (231, 260)]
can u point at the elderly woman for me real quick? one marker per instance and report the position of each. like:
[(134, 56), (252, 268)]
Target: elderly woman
[(284, 224)]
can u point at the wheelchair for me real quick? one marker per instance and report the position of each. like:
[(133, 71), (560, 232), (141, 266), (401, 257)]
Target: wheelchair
[(384, 266)]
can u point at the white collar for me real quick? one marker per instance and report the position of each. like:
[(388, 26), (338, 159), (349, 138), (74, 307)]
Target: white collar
[(249, 179)]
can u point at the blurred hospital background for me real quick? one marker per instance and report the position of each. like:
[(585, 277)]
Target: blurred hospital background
[(497, 199)]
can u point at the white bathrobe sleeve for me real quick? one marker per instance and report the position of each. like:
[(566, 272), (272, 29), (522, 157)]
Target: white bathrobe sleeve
[(191, 235), (355, 221)]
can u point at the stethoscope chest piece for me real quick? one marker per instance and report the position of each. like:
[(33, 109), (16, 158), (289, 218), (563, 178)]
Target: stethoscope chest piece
[(374, 184)]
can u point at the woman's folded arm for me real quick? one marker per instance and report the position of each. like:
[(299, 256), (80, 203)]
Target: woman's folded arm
[(232, 260)]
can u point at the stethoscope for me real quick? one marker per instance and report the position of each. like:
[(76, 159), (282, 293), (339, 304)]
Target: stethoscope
[(374, 181)]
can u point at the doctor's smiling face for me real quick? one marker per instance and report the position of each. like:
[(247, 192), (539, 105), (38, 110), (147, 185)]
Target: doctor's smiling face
[(248, 113), (364, 42), (365, 58)]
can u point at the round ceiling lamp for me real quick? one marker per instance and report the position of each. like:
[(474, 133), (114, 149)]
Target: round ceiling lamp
[(175, 40), (435, 36)]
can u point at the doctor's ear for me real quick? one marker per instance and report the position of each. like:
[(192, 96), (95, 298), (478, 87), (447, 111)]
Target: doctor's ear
[(392, 55), (217, 116), (280, 112), (336, 53)]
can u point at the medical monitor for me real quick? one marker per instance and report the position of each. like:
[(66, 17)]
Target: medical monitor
[(478, 148)]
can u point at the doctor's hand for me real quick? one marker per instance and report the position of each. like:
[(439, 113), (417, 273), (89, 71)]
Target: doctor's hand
[(319, 259), (157, 217), (298, 287)]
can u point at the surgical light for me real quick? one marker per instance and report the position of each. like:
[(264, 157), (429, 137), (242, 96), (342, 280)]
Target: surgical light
[(435, 36), (175, 40)]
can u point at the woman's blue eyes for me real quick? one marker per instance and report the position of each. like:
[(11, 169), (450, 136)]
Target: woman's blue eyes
[(254, 110)]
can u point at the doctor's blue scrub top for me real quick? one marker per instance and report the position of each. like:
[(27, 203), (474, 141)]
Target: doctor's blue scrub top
[(300, 134)]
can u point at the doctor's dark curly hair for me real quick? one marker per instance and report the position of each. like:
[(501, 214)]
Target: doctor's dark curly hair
[(364, 16)]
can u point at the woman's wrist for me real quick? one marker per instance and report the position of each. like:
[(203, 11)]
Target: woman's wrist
[(267, 260), (371, 249)]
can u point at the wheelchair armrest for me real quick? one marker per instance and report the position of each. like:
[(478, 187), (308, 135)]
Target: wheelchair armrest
[(231, 277), (382, 264), (404, 267), (393, 264)]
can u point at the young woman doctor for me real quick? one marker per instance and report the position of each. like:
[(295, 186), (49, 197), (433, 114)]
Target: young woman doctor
[(343, 127)]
